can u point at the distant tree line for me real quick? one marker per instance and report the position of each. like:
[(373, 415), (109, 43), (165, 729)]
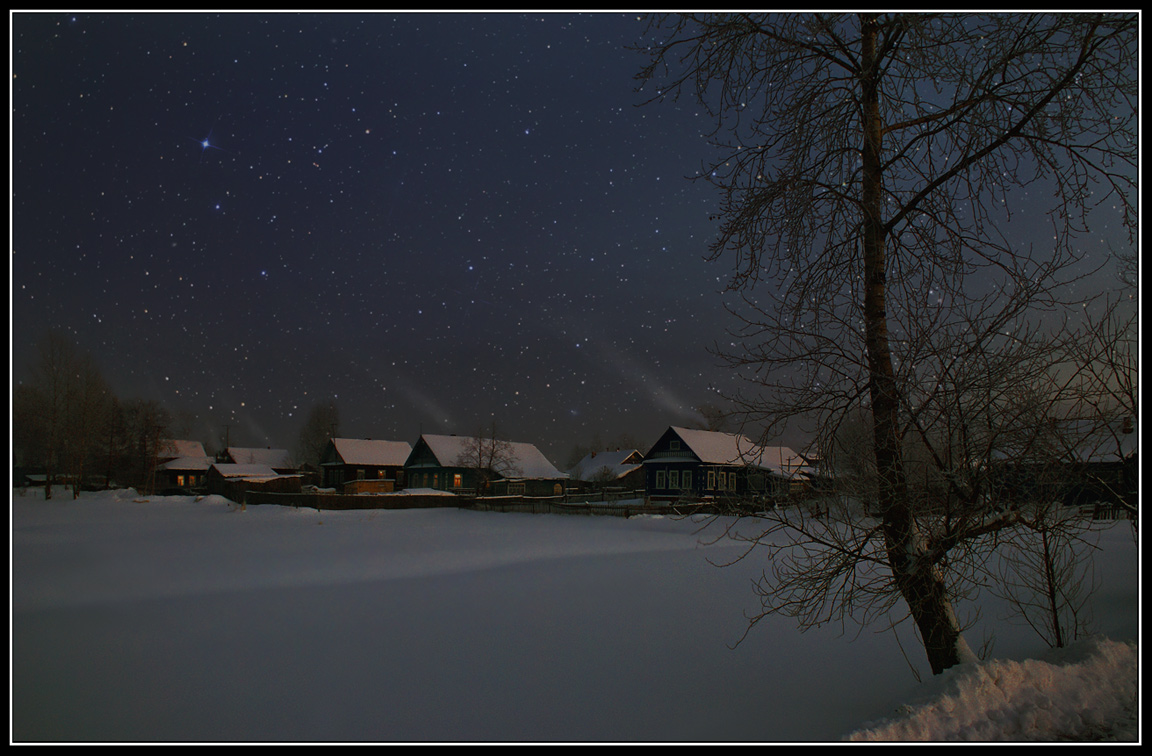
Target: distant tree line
[(69, 425)]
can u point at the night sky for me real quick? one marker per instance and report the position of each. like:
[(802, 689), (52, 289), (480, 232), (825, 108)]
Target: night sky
[(440, 221)]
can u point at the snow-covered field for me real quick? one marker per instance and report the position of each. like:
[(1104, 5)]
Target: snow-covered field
[(176, 619)]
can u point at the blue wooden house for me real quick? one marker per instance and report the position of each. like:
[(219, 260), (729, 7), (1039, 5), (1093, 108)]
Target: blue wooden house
[(697, 465)]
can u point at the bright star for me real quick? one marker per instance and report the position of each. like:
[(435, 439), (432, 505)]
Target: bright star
[(206, 144)]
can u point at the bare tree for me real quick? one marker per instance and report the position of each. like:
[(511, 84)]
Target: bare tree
[(869, 169), (90, 412), (323, 423), (488, 457), (62, 413), (144, 426), (712, 418), (1046, 574), (47, 403)]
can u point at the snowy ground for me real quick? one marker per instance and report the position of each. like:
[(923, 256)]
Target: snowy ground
[(173, 619)]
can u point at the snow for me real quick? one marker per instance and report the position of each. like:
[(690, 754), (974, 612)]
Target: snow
[(714, 447), (175, 447), (615, 464), (368, 451), (525, 459), (274, 458), (231, 470), (178, 619)]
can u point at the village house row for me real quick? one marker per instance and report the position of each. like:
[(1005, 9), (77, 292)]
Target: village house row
[(683, 464)]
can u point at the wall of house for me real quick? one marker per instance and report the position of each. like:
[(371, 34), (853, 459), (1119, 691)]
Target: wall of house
[(337, 476), (441, 478), (666, 480)]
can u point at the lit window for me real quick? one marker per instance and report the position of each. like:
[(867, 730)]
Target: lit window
[(457, 480)]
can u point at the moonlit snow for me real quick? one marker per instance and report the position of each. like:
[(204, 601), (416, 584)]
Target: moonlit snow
[(182, 619)]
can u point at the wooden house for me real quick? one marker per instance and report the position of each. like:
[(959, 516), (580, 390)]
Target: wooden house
[(183, 475), (359, 459), (688, 464), (451, 463), (181, 467), (620, 468)]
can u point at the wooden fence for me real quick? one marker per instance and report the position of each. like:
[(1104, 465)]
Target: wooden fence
[(335, 501), (610, 504)]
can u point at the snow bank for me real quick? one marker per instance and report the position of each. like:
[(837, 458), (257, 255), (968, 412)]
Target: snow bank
[(1086, 692)]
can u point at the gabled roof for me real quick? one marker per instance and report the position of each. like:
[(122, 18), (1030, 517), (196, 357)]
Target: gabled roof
[(618, 463), (171, 448), (278, 458), (716, 448), (244, 471), (188, 463), (526, 459), (367, 451)]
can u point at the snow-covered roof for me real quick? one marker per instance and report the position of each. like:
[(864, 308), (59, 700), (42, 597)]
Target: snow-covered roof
[(716, 448), (525, 459), (279, 458), (229, 470), (171, 448), (615, 462), (188, 463), (367, 451)]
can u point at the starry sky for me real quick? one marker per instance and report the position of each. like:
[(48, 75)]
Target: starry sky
[(438, 221), (442, 222)]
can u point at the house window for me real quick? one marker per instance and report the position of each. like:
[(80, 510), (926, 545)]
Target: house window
[(360, 473), (711, 480), (435, 480), (180, 480), (723, 480), (673, 479), (659, 480), (457, 480), (515, 489), (686, 479), (674, 444)]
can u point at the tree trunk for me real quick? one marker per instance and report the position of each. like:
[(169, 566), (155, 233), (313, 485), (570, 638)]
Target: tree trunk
[(919, 583)]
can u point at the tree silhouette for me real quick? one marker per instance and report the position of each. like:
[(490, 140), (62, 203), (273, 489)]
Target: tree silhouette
[(870, 170)]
